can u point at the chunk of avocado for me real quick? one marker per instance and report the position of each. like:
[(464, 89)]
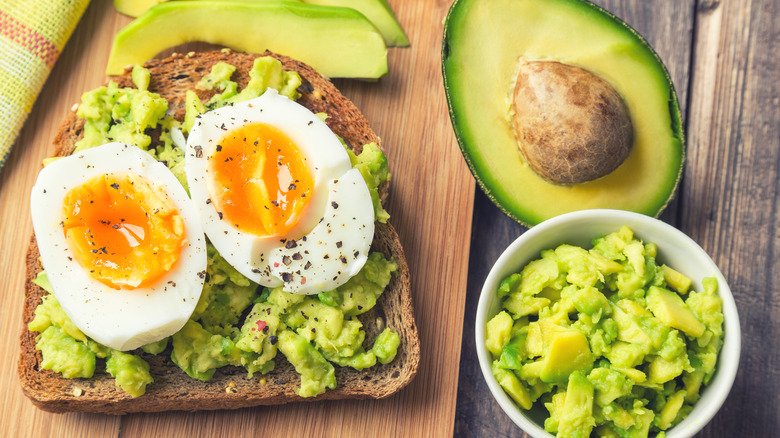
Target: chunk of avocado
[(672, 311), (482, 45), (609, 385), (498, 332), (130, 371), (567, 350), (661, 370), (589, 300), (534, 344), (64, 354), (643, 418), (576, 418), (676, 280), (335, 41), (627, 355), (670, 410), (317, 374), (513, 387), (377, 11), (629, 329)]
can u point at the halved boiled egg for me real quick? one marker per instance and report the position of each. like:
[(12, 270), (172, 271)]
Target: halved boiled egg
[(121, 244), (278, 196)]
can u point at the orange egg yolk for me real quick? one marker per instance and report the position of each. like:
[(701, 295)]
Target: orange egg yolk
[(260, 182), (123, 230)]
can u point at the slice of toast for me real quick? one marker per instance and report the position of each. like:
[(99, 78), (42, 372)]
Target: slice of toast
[(229, 388)]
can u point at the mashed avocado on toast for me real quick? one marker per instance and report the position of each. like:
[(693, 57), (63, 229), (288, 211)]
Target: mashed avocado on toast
[(235, 322), (607, 340)]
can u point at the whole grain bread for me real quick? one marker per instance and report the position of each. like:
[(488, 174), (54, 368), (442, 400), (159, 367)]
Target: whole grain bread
[(229, 388)]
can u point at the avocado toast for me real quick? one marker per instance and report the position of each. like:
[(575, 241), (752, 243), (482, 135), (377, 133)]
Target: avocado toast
[(229, 387)]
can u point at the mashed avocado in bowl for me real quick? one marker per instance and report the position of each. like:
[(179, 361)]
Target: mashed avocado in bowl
[(607, 323)]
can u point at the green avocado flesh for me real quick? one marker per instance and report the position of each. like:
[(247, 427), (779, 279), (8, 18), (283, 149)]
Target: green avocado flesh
[(483, 41), (378, 11), (335, 41)]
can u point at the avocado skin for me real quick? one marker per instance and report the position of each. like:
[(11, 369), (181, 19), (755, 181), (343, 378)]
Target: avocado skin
[(504, 192)]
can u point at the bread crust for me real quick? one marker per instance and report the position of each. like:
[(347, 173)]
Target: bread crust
[(229, 388)]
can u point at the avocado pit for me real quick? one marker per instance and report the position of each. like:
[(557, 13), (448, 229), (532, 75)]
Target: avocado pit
[(571, 126)]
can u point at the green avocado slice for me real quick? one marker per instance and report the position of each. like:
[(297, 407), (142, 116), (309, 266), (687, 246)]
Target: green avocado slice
[(378, 11), (483, 41), (335, 41)]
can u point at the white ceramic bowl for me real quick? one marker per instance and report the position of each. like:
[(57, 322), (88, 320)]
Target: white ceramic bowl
[(580, 228)]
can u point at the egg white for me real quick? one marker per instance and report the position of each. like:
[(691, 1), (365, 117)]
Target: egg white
[(268, 261), (121, 319), (337, 248)]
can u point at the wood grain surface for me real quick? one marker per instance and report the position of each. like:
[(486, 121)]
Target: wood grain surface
[(431, 204), (722, 59)]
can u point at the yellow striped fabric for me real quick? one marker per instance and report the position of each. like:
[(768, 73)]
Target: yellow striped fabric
[(32, 35)]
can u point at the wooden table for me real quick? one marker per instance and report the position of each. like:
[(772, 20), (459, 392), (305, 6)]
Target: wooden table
[(722, 59)]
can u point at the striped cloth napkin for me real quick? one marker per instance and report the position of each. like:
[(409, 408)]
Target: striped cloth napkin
[(32, 35)]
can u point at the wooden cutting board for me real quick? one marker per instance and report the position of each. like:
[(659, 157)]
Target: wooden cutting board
[(431, 204)]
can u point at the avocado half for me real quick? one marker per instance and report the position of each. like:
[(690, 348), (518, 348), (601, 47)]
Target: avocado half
[(483, 41)]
